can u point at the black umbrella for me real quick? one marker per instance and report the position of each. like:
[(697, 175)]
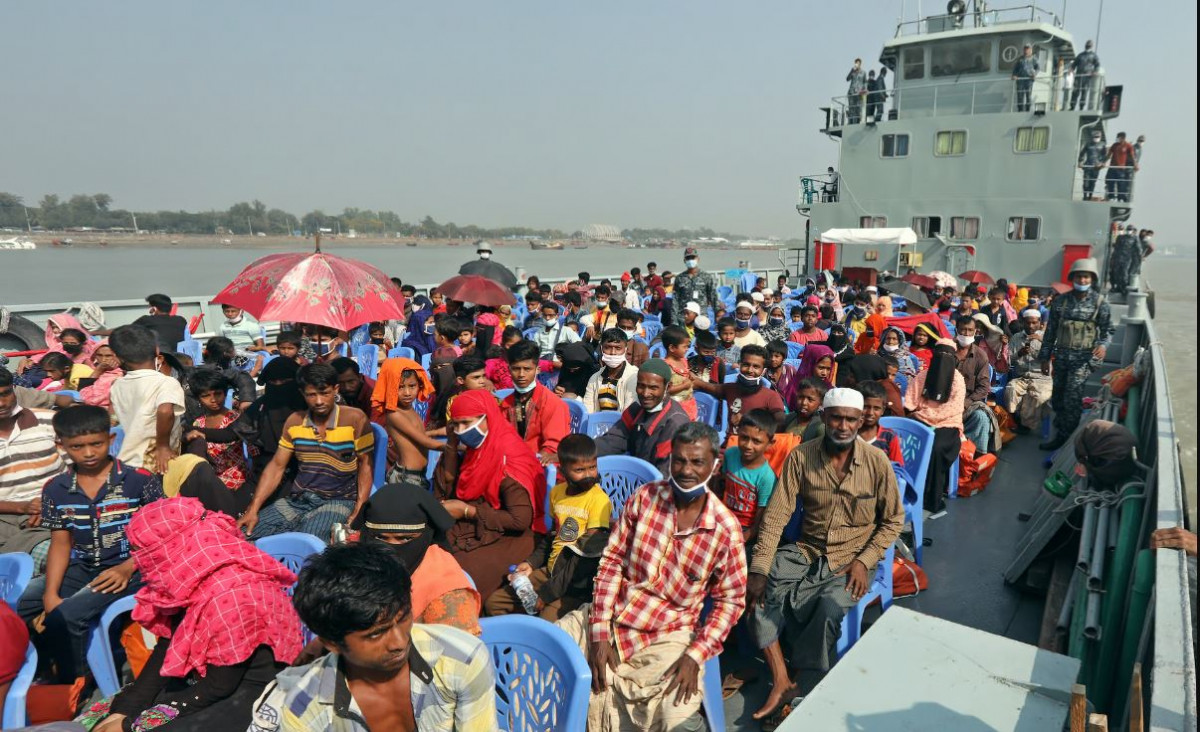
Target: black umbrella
[(491, 269), (909, 292)]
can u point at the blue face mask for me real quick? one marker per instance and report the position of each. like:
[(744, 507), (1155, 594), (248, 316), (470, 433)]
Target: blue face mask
[(527, 389), (472, 437), (1082, 288), (429, 329), (708, 360), (687, 495), (775, 321), (742, 324), (859, 311)]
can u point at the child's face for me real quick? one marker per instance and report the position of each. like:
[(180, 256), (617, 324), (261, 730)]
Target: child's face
[(797, 317), (710, 351), (872, 411), (752, 442), (89, 451), (580, 474), (727, 335), (409, 388), (212, 401), (288, 350), (464, 338), (474, 380), (775, 359), (523, 373), (996, 300), (823, 369), (891, 372), (437, 298), (55, 374), (807, 402), (679, 350)]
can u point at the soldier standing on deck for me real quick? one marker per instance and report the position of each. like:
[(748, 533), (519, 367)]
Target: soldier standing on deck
[(1126, 255), (1077, 336), (1091, 159), (692, 285)]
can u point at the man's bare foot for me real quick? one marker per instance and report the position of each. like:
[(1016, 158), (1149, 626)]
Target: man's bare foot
[(779, 696)]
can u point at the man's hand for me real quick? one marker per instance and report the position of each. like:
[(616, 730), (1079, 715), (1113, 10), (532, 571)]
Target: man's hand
[(601, 658), (112, 580), (684, 675), (756, 589), (1176, 538), (32, 507), (162, 456), (1045, 366), (111, 723), (1004, 339), (248, 521), (1098, 353), (456, 508), (49, 602), (857, 583), (353, 514), (524, 569), (193, 435)]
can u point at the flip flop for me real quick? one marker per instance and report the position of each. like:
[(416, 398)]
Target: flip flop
[(731, 685), (771, 723)]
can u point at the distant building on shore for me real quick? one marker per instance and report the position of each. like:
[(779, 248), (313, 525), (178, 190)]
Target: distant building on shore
[(602, 232)]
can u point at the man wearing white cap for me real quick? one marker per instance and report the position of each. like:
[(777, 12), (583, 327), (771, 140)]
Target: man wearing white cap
[(851, 515), (1027, 394), (744, 335)]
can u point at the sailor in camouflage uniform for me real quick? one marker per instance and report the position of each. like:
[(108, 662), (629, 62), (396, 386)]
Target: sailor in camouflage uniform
[(1091, 159), (1077, 336), (693, 285), (1126, 255)]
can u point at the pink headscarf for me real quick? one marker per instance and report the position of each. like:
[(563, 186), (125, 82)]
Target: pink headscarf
[(54, 342), (234, 595), (486, 319)]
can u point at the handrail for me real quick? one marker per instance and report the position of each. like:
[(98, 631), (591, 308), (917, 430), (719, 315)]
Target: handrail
[(979, 19)]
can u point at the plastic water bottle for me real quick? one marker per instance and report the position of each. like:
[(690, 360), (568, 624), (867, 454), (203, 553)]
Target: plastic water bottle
[(524, 589)]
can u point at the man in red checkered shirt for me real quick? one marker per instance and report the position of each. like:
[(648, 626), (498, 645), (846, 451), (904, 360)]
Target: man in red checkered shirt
[(676, 550)]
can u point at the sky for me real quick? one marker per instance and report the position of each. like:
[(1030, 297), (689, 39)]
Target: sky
[(538, 113)]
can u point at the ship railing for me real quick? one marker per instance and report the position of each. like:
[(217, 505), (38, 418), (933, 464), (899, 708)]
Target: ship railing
[(977, 19), (1113, 183), (1046, 93)]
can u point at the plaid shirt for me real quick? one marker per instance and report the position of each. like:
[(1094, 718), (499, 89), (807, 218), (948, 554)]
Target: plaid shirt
[(453, 689), (654, 580)]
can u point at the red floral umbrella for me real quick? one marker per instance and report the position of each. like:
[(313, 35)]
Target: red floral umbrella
[(976, 277), (317, 288), (477, 289), (923, 281)]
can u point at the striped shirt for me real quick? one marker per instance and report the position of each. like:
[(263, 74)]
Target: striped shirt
[(28, 456), (855, 517), (452, 687), (654, 579), (328, 466)]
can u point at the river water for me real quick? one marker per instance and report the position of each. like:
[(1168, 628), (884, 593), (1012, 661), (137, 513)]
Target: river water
[(80, 274)]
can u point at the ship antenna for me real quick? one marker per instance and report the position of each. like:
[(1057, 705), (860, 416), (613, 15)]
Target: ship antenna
[(1099, 19)]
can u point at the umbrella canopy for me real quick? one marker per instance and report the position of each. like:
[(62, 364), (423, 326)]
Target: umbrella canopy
[(925, 282), (1061, 288), (317, 288), (943, 279), (477, 289), (907, 291), (490, 269), (976, 277)]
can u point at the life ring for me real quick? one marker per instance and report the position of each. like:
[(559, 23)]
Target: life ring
[(18, 333)]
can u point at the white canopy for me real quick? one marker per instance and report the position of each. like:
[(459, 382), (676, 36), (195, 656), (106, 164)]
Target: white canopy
[(869, 236)]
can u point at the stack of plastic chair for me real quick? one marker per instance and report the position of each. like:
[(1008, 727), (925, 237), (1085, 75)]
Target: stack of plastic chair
[(379, 457), (793, 362), (599, 422), (916, 444), (402, 352), (542, 678), (118, 439), (579, 416), (421, 407), (367, 356), (622, 475)]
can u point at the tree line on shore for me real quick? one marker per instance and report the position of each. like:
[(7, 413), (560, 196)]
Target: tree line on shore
[(95, 211)]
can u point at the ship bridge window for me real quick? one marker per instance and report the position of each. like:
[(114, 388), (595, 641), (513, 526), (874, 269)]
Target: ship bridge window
[(914, 63), (872, 222), (950, 142), (894, 145), (956, 58), (1032, 140), (1024, 228), (964, 227), (927, 226)]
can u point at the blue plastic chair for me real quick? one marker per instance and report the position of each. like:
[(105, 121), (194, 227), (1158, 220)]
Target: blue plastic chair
[(68, 392), (529, 333), (579, 417), (291, 549), (551, 479), (542, 678), (748, 280), (652, 329), (367, 356), (191, 348), (916, 444), (711, 411), (881, 589), (16, 569), (622, 475), (14, 701), (793, 362), (599, 423), (118, 435), (426, 359), (795, 350), (421, 407), (502, 394), (658, 351), (713, 702), (379, 457), (724, 291), (402, 352), (101, 654)]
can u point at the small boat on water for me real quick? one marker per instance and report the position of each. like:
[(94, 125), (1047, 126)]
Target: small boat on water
[(546, 245), (16, 243)]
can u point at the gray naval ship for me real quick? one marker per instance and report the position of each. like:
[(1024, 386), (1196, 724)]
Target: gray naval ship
[(1043, 594)]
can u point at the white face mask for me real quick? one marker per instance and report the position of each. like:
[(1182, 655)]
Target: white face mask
[(485, 255), (691, 263), (612, 360), (964, 340), (890, 348), (629, 334)]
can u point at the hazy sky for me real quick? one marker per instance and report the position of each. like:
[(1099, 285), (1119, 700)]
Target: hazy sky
[(534, 113)]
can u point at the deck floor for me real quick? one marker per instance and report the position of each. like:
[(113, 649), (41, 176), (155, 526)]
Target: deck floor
[(972, 545)]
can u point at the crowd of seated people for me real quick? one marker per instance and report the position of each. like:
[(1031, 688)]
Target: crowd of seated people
[(490, 481)]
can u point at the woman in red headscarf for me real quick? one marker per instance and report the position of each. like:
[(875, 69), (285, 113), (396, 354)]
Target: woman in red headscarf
[(868, 342), (220, 609), (495, 490)]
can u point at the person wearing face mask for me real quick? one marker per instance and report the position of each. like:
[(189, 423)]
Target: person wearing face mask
[(675, 550), (894, 344), (243, 330), (1028, 390), (407, 519), (936, 397), (693, 285), (774, 327), (749, 391), (106, 371), (612, 388), (563, 564), (705, 365), (420, 333), (603, 317), (1077, 338), (974, 367), (846, 493), (637, 350), (551, 332), (647, 426), (64, 334), (540, 417), (743, 319), (856, 316), (494, 490), (166, 327)]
